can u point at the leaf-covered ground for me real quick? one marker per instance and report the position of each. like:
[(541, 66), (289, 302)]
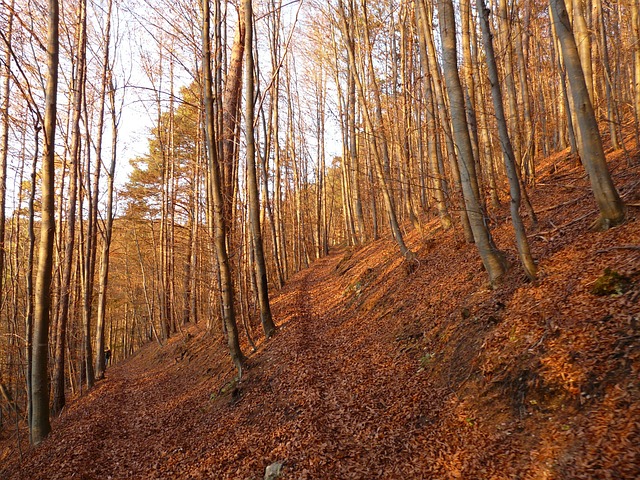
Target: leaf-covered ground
[(386, 370)]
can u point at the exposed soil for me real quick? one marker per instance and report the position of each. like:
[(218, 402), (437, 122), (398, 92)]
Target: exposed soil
[(386, 370)]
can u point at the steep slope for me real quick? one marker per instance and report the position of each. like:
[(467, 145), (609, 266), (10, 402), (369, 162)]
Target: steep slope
[(386, 370)]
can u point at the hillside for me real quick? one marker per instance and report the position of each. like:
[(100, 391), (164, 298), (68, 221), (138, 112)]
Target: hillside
[(387, 370)]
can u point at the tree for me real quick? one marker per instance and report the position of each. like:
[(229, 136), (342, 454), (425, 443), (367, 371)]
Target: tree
[(590, 143), (509, 156), (215, 188), (252, 183), (39, 426), (432, 147), (425, 29), (492, 258), (69, 252), (107, 82), (379, 147), (635, 30), (4, 147)]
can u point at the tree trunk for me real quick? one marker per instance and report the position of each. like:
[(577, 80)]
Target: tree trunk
[(583, 42), (529, 147), (509, 157), (380, 152), (346, 103), (272, 141), (4, 144), (108, 224), (230, 119), (590, 143), (436, 174), (635, 32), (252, 183), (407, 122), (219, 221), (354, 159), (30, 287), (445, 123), (40, 426), (565, 105), (65, 297), (509, 78), (492, 258), (604, 51), (469, 82), (494, 199)]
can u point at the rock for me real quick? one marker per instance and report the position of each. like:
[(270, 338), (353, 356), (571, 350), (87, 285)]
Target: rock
[(273, 471)]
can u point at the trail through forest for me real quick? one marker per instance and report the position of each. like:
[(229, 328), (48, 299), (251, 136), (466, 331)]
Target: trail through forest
[(326, 403), (383, 369)]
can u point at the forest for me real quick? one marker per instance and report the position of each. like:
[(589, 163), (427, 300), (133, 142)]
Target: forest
[(236, 183)]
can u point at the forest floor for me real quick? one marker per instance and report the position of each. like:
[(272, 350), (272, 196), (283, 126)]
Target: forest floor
[(386, 370)]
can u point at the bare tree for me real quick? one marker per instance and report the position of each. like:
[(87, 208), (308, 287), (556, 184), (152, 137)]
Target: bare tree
[(4, 146), (380, 151), (509, 156), (492, 258), (590, 143), (219, 221), (107, 83), (438, 184), (39, 426), (252, 183), (426, 20), (66, 286)]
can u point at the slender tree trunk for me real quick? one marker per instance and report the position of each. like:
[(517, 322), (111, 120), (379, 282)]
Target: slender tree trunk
[(407, 121), (29, 315), (583, 42), (469, 82), (635, 32), (445, 122), (506, 44), (271, 218), (604, 51), (190, 257), (509, 157), (108, 224), (145, 289), (75, 149), (90, 250), (354, 159), (40, 426), (346, 106), (230, 119), (380, 152), (494, 199), (226, 284), (529, 147), (279, 227), (322, 247), (374, 208), (436, 174), (345, 161), (271, 140), (591, 151), (252, 182), (565, 106), (4, 144), (492, 258)]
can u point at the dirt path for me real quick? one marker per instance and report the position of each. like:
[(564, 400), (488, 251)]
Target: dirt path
[(357, 406)]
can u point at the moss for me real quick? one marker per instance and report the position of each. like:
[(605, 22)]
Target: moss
[(611, 283)]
